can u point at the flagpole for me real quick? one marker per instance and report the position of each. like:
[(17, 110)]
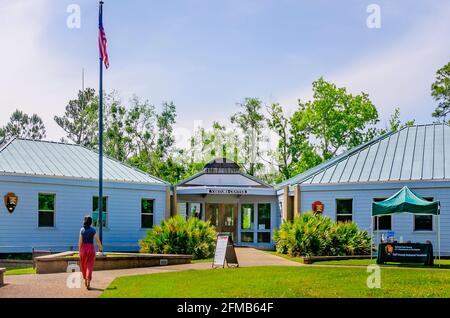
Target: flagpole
[(100, 141)]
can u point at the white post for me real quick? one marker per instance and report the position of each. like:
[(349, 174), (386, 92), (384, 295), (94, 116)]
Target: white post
[(439, 234), (371, 239)]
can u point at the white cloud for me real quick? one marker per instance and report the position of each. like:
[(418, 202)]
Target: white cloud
[(397, 76), (31, 74)]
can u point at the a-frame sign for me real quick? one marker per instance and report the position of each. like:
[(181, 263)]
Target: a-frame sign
[(225, 252)]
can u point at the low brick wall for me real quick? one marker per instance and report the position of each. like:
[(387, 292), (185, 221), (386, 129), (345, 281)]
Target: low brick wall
[(2, 273), (59, 263), (312, 259), (10, 263)]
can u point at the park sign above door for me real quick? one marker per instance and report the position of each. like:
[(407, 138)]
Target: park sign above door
[(227, 191), (11, 201)]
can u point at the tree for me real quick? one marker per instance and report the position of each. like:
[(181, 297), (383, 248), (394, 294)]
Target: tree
[(80, 120), (334, 120), (279, 124), (21, 125), (165, 121), (250, 121), (395, 124), (440, 90)]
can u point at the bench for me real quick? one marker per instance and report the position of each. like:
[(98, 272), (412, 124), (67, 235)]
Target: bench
[(2, 273)]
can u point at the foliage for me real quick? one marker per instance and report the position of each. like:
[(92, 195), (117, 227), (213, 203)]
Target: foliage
[(22, 125), (178, 236), (334, 120), (440, 91), (80, 120), (316, 235), (395, 124), (250, 121), (279, 123)]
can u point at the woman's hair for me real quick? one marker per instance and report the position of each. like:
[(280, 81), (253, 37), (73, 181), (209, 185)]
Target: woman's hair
[(87, 221)]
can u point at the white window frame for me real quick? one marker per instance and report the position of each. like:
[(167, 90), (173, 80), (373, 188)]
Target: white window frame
[(54, 210), (152, 214), (340, 214)]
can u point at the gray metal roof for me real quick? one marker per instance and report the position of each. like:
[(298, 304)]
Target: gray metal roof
[(413, 153), (53, 159)]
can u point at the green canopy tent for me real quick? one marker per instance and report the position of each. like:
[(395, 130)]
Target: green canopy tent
[(406, 201)]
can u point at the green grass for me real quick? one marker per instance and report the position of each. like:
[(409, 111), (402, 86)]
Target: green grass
[(280, 282), (206, 260), (20, 271), (107, 255), (295, 259), (445, 263)]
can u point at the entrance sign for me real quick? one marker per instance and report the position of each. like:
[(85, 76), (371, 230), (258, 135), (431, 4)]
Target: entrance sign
[(227, 191), (225, 252), (405, 253)]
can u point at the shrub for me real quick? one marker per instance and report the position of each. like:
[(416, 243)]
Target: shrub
[(178, 236), (316, 235)]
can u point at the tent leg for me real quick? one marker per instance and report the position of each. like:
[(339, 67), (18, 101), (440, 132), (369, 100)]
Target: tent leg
[(371, 239), (439, 237)]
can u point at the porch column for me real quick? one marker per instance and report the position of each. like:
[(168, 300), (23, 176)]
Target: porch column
[(287, 206), (297, 201), (174, 205), (168, 209)]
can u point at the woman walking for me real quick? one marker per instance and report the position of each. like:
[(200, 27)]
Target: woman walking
[(87, 250)]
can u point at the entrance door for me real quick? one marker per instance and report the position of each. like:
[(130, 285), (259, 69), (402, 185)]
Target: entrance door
[(223, 217)]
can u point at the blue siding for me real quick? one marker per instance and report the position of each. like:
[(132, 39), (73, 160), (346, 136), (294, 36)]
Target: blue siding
[(363, 194), (72, 202)]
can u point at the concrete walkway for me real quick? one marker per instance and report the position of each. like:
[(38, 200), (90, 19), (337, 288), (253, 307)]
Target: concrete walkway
[(55, 285)]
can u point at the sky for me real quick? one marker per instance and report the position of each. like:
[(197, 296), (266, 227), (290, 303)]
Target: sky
[(208, 55)]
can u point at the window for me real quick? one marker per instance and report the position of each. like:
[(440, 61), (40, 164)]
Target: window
[(194, 210), (46, 207), (344, 210), (384, 221), (247, 216), (247, 237), (95, 211), (423, 223), (247, 220), (147, 213), (264, 223)]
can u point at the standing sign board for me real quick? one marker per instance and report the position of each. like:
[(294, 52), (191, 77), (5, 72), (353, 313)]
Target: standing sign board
[(225, 252)]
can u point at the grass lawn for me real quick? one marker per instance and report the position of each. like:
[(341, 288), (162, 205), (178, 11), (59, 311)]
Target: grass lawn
[(283, 282), (445, 263), (20, 271), (206, 260)]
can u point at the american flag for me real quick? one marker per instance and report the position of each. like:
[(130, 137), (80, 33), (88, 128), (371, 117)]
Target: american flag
[(102, 39)]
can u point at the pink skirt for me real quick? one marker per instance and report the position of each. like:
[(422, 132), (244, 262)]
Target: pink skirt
[(87, 260)]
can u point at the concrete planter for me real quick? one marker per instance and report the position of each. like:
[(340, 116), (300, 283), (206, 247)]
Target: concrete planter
[(312, 259), (66, 262)]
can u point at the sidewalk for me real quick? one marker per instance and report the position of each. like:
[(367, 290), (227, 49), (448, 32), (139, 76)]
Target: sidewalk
[(54, 285)]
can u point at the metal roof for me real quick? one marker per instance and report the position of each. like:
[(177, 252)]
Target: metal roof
[(419, 152), (53, 159)]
